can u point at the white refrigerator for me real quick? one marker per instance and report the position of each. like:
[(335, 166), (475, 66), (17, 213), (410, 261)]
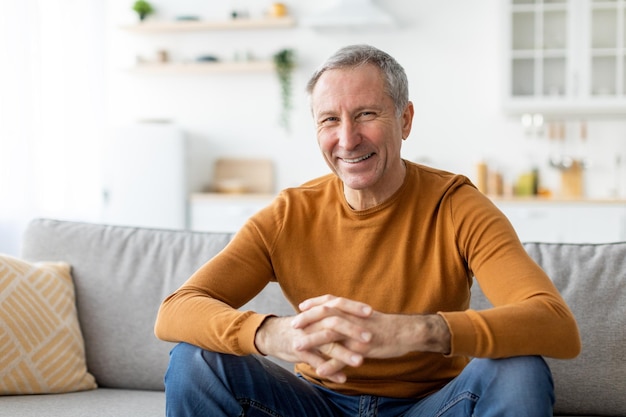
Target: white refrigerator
[(144, 176)]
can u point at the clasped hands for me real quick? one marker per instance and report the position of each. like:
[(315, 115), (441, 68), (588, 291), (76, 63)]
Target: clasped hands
[(331, 333)]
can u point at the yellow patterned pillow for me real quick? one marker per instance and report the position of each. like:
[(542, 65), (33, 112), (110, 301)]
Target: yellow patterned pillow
[(41, 345)]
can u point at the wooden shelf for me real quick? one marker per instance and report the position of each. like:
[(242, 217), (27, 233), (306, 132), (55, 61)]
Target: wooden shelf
[(204, 67), (204, 25)]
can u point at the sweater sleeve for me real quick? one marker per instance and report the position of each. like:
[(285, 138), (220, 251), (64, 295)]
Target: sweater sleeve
[(529, 316), (203, 311)]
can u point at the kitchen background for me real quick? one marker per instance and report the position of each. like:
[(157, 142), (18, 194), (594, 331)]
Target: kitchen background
[(108, 120)]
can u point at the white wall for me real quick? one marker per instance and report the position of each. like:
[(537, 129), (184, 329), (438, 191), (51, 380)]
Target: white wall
[(51, 112), (452, 54), (450, 50)]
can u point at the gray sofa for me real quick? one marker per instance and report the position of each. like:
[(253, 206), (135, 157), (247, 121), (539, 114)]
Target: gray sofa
[(121, 275)]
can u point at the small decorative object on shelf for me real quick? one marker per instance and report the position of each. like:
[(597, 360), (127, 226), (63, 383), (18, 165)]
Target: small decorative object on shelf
[(162, 56), (277, 10), (187, 18), (239, 14), (284, 62), (207, 58), (143, 9)]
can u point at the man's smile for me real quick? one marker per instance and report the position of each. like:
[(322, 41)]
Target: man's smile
[(359, 159)]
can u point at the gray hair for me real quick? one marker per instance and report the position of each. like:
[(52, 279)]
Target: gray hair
[(396, 82)]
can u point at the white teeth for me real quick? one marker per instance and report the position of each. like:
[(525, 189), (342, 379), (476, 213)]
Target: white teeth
[(353, 161)]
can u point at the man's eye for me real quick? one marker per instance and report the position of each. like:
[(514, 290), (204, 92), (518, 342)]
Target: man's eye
[(366, 115), (329, 120)]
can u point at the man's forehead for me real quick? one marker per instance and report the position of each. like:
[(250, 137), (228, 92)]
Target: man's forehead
[(349, 82)]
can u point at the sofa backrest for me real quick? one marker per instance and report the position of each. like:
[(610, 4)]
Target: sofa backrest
[(592, 280), (121, 275)]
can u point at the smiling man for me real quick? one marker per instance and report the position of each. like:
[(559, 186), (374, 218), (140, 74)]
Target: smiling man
[(359, 131), (377, 258)]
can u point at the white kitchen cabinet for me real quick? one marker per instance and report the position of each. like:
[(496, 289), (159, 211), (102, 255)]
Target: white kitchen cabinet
[(577, 221), (559, 221), (565, 56), (214, 212)]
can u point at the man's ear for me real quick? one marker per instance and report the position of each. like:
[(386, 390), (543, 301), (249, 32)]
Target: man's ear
[(407, 120)]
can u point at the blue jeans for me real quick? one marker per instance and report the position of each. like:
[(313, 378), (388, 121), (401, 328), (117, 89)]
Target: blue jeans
[(203, 383)]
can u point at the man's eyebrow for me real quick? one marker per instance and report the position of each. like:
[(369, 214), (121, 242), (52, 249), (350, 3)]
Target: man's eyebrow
[(325, 113)]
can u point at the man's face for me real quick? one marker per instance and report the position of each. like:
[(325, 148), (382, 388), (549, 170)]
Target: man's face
[(358, 131)]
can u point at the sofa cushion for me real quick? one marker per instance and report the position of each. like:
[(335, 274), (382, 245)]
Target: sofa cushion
[(103, 402), (41, 345), (592, 280)]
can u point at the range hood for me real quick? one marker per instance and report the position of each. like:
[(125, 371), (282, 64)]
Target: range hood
[(350, 14)]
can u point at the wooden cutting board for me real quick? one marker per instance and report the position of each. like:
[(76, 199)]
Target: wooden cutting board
[(244, 175)]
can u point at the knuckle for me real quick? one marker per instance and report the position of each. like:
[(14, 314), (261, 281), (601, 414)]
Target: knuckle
[(336, 301), (296, 345), (326, 309), (332, 322), (328, 334), (327, 297)]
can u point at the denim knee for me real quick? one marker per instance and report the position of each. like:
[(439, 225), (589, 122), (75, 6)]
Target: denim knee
[(183, 361), (204, 383), (523, 383), (520, 370), (194, 385)]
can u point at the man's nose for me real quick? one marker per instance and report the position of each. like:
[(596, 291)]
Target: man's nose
[(349, 135)]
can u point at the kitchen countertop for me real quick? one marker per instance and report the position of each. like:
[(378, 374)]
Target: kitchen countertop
[(212, 196), (557, 200), (207, 196)]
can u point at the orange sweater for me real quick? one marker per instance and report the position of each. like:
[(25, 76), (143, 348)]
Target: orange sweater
[(414, 254)]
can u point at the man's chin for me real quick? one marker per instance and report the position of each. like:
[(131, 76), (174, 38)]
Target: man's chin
[(356, 184)]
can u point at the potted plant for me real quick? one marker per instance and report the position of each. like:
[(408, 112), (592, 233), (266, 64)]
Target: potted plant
[(284, 63), (143, 8)]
